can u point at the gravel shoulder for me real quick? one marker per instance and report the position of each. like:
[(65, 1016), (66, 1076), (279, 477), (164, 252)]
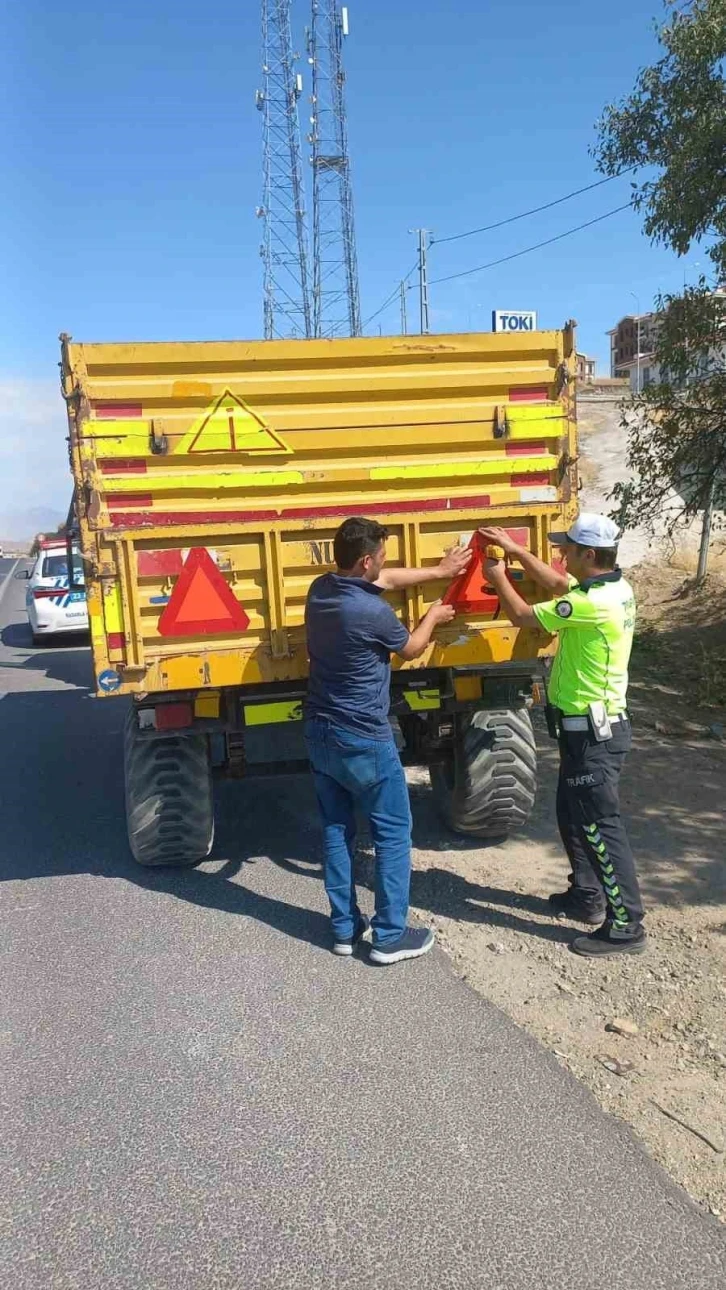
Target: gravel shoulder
[(489, 904)]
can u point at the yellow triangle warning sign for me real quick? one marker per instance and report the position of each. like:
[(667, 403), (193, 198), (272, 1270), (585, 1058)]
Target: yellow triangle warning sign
[(230, 426)]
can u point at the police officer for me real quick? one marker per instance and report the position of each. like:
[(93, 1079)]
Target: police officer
[(592, 611)]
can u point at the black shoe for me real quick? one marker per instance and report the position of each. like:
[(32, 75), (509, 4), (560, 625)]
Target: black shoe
[(414, 942), (362, 933), (604, 943), (570, 904)]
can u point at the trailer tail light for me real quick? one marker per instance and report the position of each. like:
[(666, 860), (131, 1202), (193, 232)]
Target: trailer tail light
[(173, 716), (467, 688)]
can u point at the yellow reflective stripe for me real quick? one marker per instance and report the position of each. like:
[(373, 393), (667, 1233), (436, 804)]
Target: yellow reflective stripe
[(450, 470), (156, 482), (536, 422), (112, 611), (95, 621), (267, 714), (420, 700)]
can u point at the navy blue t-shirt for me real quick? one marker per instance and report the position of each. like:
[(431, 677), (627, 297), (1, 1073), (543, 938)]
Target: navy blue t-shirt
[(351, 633)]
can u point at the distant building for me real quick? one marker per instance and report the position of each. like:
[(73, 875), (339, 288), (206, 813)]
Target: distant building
[(585, 368), (632, 345)]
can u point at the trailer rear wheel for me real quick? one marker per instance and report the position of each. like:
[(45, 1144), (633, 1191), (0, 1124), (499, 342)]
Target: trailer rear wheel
[(487, 787), (169, 798)]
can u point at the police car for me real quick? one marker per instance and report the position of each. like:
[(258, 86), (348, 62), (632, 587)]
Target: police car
[(53, 608)]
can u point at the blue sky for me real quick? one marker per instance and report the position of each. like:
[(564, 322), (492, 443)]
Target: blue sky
[(131, 153)]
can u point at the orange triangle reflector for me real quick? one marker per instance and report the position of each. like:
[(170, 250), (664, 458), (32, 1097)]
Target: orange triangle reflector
[(469, 594), (202, 604)]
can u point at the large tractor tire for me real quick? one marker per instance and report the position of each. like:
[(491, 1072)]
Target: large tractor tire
[(169, 800), (487, 787)]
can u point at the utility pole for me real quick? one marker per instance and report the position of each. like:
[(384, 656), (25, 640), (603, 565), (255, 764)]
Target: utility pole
[(284, 249), (706, 532), (423, 281), (336, 297), (404, 310), (637, 333)]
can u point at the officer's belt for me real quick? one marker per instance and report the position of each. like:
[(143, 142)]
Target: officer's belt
[(583, 723)]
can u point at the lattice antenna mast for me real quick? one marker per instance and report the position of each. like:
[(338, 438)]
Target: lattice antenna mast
[(336, 298), (284, 250)]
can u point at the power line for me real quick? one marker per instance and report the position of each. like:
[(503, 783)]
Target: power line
[(396, 292), (512, 219), (466, 273)]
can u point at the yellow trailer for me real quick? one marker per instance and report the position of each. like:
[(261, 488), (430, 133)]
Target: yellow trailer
[(210, 478)]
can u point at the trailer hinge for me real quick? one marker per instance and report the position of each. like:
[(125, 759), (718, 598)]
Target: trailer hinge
[(501, 424), (159, 441)]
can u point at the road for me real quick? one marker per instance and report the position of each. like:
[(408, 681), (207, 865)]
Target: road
[(6, 568), (198, 1096)]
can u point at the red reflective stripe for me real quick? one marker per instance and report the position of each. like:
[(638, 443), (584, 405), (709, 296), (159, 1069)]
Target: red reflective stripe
[(115, 500), (44, 593), (537, 480), (132, 519), (117, 411), (525, 448), (520, 536), (389, 508), (529, 394), (163, 564), (122, 466), (115, 640)]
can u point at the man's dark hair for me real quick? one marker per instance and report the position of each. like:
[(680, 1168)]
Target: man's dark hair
[(606, 557), (355, 538)]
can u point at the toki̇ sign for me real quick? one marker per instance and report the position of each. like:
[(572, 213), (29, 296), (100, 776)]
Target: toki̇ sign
[(514, 320)]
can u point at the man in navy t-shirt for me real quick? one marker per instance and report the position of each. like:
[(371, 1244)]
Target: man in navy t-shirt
[(352, 632)]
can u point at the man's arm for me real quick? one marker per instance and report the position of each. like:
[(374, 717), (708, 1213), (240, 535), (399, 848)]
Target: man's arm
[(517, 610), (420, 638), (543, 574), (450, 566)]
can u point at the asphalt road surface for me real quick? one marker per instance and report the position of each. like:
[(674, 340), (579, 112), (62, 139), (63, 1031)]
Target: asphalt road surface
[(6, 567), (196, 1095)]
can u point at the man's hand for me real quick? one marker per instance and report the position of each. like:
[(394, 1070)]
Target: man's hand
[(454, 562), (420, 637), (516, 609), (500, 537), (494, 570), (441, 613), (555, 581)]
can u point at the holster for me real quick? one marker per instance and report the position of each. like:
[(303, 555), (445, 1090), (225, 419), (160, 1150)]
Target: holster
[(553, 717)]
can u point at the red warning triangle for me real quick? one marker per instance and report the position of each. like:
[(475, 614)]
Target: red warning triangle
[(202, 604), (469, 594)]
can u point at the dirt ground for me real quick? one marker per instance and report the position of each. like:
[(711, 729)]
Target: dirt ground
[(489, 909), (488, 904)]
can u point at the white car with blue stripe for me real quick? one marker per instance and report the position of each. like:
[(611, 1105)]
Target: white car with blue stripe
[(54, 607)]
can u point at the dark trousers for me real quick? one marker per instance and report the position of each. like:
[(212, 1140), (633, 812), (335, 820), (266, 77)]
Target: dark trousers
[(588, 815)]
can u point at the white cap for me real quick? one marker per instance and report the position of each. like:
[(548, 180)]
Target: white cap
[(595, 531)]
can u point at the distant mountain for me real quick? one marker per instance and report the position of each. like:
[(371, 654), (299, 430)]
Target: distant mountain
[(22, 525)]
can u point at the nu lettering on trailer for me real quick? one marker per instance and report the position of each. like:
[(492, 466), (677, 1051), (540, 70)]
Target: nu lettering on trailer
[(322, 552)]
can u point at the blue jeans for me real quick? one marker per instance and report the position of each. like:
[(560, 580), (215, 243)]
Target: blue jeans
[(350, 771)]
